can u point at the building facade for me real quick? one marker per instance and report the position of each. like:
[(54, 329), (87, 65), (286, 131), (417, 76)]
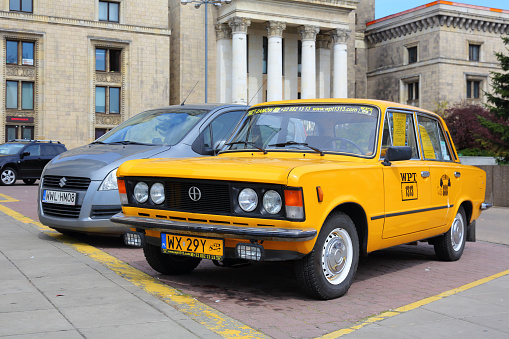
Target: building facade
[(436, 54), (72, 70)]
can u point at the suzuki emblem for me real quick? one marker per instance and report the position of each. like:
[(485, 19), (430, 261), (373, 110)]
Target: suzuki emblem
[(62, 182)]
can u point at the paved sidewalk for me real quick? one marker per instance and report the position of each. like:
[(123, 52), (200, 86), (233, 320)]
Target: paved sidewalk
[(49, 290)]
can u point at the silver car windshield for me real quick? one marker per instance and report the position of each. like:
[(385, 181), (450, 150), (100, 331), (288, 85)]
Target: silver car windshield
[(9, 149), (347, 129), (157, 127)]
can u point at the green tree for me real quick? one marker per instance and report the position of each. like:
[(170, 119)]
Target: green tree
[(498, 104)]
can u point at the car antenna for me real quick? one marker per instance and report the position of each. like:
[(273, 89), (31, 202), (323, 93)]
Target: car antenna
[(183, 102), (249, 103)]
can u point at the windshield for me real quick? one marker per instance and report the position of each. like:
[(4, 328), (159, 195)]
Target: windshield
[(8, 148), (349, 129), (157, 127)]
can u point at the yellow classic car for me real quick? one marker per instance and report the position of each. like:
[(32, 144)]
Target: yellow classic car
[(319, 182)]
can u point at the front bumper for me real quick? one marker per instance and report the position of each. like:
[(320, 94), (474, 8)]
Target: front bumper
[(217, 230)]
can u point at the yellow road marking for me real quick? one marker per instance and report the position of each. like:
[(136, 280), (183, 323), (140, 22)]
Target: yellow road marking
[(7, 198), (203, 314), (412, 306)]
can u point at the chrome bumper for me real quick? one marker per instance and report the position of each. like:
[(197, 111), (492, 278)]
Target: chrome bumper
[(224, 231), (485, 206)]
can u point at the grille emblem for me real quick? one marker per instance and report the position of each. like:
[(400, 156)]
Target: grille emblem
[(194, 193), (62, 182)]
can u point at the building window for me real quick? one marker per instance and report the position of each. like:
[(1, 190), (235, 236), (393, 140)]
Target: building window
[(19, 53), (474, 52), (412, 54), (413, 93), (299, 58), (15, 90), (21, 6), (265, 53), (109, 11), (107, 60), (107, 99), (473, 89)]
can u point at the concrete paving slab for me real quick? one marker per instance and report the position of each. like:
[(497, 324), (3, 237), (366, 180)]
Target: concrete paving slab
[(20, 302), (154, 330), (500, 322), (16, 286), (90, 297), (458, 306), (31, 322), (71, 334)]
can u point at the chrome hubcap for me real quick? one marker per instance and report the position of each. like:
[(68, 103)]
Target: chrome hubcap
[(457, 230), (7, 177), (337, 255)]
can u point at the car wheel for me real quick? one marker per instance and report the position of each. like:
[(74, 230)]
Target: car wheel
[(168, 263), (328, 271), (29, 181), (450, 246), (8, 176)]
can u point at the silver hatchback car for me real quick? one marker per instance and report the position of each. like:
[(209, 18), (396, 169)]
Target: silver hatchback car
[(78, 189)]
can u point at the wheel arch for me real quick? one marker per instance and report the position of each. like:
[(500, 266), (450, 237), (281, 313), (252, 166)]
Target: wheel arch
[(468, 208), (12, 165), (358, 216)]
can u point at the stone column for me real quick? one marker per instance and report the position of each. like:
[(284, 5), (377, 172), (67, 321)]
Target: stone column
[(340, 73), (275, 60), (323, 68), (224, 63), (308, 70), (239, 58)]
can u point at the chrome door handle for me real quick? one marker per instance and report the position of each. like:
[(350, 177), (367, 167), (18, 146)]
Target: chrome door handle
[(457, 174), (425, 174)]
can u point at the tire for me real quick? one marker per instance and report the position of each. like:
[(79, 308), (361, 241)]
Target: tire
[(328, 271), (450, 246), (29, 181), (169, 264), (8, 176)]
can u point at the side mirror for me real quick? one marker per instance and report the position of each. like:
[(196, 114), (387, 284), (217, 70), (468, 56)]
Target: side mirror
[(25, 154), (397, 153)]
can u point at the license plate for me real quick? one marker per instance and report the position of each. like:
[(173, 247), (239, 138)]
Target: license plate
[(198, 247), (59, 197)]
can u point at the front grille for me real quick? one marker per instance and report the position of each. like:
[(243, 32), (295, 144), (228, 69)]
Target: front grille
[(70, 182), (215, 197), (104, 212), (61, 211)]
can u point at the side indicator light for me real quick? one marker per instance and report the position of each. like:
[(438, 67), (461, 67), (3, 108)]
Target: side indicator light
[(319, 192), (122, 191)]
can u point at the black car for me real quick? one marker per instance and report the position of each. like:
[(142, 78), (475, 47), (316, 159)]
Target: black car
[(25, 159)]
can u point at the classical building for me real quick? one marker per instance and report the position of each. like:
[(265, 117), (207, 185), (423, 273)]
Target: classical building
[(436, 54), (71, 70)]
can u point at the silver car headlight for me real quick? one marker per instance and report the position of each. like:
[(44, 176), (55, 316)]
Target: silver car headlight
[(157, 193), (248, 199), (110, 182), (141, 192), (272, 202)]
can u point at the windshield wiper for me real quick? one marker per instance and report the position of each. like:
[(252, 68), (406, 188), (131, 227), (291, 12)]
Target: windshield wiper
[(291, 142), (98, 142), (127, 142), (247, 143)]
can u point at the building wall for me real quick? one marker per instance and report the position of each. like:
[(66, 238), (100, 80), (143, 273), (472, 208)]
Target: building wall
[(442, 34), (64, 72)]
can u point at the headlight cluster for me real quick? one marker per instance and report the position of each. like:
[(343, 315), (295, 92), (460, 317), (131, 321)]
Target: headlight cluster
[(248, 201), (142, 192)]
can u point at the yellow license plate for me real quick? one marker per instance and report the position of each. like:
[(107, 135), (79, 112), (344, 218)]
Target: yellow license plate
[(197, 247)]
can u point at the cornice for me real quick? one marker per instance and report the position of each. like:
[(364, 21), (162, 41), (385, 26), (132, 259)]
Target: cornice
[(43, 19)]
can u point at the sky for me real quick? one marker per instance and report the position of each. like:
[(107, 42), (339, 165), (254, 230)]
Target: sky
[(388, 7)]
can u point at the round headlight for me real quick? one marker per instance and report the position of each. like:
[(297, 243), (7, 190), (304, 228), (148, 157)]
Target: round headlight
[(157, 193), (272, 202), (141, 192), (248, 199)]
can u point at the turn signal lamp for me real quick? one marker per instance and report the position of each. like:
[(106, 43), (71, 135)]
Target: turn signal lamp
[(122, 191), (294, 204)]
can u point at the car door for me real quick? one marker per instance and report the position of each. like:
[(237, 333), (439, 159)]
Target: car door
[(48, 152), (407, 187), (30, 165), (445, 174), (217, 131)]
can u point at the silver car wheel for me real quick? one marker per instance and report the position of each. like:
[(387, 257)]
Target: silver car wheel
[(8, 176), (337, 256), (457, 230)]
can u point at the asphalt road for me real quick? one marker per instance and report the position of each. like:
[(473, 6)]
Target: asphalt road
[(265, 296)]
